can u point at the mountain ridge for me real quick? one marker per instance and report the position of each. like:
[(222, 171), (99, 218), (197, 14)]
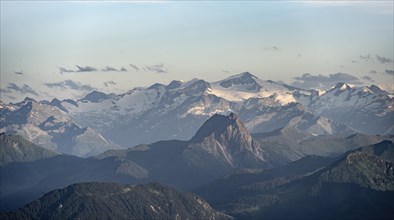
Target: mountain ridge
[(177, 110), (116, 201), (355, 185), (51, 127)]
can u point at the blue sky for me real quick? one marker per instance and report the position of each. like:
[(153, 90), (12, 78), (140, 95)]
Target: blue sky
[(64, 49)]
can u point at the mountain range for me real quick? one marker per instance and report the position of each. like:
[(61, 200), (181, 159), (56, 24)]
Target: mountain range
[(252, 149), (356, 185), (52, 128), (177, 110), (220, 147)]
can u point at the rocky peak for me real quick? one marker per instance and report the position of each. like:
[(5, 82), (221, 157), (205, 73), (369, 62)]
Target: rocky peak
[(376, 90), (156, 86), (219, 125), (341, 86), (29, 100), (226, 130), (197, 88), (229, 135), (56, 102), (174, 84), (95, 96), (241, 79)]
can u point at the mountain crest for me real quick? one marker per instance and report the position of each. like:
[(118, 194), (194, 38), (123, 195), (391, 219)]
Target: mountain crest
[(95, 96), (219, 125), (230, 135), (244, 78), (376, 90), (341, 86)]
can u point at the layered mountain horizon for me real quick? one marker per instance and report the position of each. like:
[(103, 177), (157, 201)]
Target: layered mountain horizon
[(311, 183), (252, 149), (220, 147), (177, 110)]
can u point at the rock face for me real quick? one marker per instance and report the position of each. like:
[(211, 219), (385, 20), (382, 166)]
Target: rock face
[(221, 146), (227, 136), (115, 201)]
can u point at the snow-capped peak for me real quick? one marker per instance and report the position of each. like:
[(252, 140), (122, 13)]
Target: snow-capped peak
[(244, 86), (244, 80), (241, 75)]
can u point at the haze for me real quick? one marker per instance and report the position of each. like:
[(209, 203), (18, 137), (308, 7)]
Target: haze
[(67, 49)]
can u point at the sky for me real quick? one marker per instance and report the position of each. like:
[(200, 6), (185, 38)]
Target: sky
[(66, 49)]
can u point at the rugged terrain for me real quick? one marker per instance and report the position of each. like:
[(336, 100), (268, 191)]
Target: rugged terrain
[(177, 110)]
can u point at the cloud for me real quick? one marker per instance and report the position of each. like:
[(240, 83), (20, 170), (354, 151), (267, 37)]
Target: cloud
[(373, 72), (64, 70), (273, 49), (108, 83), (70, 84), (383, 60), (225, 71), (5, 91), (158, 68), (54, 85), (85, 69), (134, 67), (80, 69), (25, 89), (309, 81), (18, 72), (367, 78), (11, 97), (112, 69), (390, 72), (365, 58)]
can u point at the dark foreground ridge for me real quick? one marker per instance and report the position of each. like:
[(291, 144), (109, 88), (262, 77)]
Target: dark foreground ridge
[(116, 201)]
